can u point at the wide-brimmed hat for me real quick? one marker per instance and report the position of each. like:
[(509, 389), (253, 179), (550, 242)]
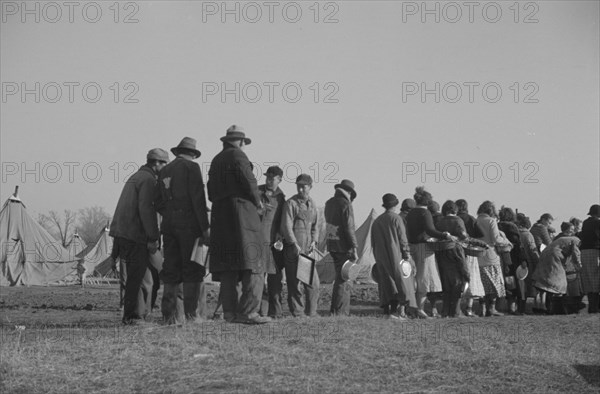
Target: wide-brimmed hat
[(186, 144), (594, 210), (389, 200), (304, 179), (158, 154), (348, 186), (236, 133)]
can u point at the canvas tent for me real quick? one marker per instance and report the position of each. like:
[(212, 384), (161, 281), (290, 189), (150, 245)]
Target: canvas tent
[(96, 252), (76, 245), (29, 254), (366, 260)]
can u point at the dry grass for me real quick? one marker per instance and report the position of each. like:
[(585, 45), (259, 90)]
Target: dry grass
[(353, 354)]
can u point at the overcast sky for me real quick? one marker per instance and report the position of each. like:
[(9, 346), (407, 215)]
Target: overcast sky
[(491, 101)]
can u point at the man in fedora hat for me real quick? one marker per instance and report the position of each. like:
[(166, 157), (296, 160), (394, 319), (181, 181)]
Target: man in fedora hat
[(341, 241), (237, 248), (135, 230), (390, 245), (273, 200), (299, 229), (182, 203)]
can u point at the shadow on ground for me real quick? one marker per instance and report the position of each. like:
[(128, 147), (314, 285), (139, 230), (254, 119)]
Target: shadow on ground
[(591, 373)]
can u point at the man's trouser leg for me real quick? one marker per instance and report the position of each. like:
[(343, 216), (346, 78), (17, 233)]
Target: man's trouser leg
[(294, 286), (229, 293), (252, 288), (340, 298), (155, 286), (264, 302), (145, 292), (137, 260), (274, 287), (172, 301), (312, 296)]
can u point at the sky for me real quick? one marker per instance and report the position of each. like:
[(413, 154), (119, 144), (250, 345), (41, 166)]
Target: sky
[(488, 101)]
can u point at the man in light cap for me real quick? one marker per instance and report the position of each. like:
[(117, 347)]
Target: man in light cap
[(182, 203), (237, 247), (135, 230), (341, 241), (299, 230)]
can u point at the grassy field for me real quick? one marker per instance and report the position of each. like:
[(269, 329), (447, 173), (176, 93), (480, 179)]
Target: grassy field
[(67, 340)]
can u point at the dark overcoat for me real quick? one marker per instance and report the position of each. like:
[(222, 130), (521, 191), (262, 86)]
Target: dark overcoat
[(270, 223), (180, 198), (236, 241)]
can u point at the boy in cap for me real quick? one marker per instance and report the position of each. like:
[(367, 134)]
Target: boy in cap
[(182, 203), (135, 231), (299, 230), (273, 200)]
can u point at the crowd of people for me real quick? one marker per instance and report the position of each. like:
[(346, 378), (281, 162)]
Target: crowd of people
[(499, 254), (255, 236)]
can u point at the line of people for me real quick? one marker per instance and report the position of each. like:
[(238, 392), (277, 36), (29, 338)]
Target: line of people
[(253, 232), (496, 255)]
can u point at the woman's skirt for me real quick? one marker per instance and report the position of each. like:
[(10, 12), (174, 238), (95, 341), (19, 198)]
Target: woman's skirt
[(428, 275), (590, 270), (493, 280), (475, 288)]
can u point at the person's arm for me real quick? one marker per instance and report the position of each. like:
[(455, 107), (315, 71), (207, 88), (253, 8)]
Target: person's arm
[(404, 248), (430, 227), (545, 235), (246, 178), (287, 223), (495, 232), (314, 230)]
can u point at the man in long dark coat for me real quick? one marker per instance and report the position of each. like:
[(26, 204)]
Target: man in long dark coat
[(135, 231), (237, 248), (182, 203)]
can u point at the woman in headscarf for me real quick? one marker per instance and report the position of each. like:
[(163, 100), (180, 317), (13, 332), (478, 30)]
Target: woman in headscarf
[(490, 267), (419, 227), (512, 259), (532, 257), (571, 302)]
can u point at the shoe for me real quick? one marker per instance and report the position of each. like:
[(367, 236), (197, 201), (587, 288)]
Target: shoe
[(469, 313), (435, 314), (421, 314), (494, 312), (252, 320)]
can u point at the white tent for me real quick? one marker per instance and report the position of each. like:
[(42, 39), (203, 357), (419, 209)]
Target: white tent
[(29, 254), (366, 260), (97, 252), (76, 245)]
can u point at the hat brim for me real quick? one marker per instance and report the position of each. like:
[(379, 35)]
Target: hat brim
[(247, 141), (391, 204), (177, 150), (348, 189)]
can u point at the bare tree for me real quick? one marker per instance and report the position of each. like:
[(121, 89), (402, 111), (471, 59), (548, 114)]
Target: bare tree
[(91, 221), (61, 228)]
